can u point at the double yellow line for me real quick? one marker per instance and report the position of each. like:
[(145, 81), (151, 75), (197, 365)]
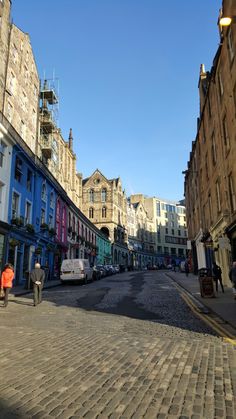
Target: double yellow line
[(227, 336)]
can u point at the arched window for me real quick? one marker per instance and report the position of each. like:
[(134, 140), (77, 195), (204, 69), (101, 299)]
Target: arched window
[(91, 212), (91, 195), (104, 195), (104, 212)]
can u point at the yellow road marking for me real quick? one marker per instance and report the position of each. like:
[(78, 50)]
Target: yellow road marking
[(227, 336)]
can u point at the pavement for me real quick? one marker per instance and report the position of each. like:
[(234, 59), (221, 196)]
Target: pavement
[(19, 290), (223, 304)]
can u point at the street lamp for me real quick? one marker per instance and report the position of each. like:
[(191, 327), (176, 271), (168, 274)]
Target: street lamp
[(227, 20)]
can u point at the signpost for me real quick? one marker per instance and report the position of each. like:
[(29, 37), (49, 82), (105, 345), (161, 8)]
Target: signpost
[(206, 284)]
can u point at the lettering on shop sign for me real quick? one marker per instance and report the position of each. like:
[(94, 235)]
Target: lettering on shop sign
[(206, 285)]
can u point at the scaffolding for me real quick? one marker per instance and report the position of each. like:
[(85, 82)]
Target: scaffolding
[(49, 107)]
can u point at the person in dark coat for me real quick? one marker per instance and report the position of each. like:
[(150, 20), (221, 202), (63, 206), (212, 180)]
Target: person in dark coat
[(217, 275), (37, 277), (186, 267)]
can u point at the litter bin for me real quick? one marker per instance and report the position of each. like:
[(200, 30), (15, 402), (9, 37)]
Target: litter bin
[(206, 283)]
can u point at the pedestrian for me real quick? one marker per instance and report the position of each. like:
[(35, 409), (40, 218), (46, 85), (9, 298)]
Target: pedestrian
[(6, 281), (37, 276), (173, 265), (217, 276), (186, 266), (232, 276)]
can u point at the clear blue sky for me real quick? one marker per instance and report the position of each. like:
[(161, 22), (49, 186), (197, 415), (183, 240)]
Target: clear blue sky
[(128, 75)]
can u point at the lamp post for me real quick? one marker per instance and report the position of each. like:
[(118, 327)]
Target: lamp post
[(227, 20)]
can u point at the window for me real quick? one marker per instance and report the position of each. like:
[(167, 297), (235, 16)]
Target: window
[(90, 212), (210, 207), (179, 232), (104, 195), (104, 212), (9, 111), (33, 117), (1, 192), (173, 250), (50, 221), (42, 218), (213, 149), (14, 54), (206, 167), (209, 106), (159, 249), (28, 212), (218, 200), (44, 192), (18, 169), (221, 87), (225, 134), (12, 84), (29, 180), (166, 250), (15, 205), (231, 44), (91, 195), (22, 129), (232, 194), (158, 209), (2, 152), (51, 200), (173, 232), (166, 230)]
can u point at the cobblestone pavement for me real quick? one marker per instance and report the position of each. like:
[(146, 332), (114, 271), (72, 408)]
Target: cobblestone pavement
[(123, 347)]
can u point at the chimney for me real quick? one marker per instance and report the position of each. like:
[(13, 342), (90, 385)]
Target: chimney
[(70, 140)]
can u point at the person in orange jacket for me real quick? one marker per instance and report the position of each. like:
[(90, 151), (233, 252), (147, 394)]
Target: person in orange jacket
[(6, 281)]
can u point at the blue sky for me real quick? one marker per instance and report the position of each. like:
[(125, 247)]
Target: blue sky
[(128, 81)]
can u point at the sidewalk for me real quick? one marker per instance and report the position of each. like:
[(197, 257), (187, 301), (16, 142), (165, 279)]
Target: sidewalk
[(20, 290), (223, 305)]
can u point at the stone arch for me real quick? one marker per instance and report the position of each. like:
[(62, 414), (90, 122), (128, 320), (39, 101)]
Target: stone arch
[(105, 231)]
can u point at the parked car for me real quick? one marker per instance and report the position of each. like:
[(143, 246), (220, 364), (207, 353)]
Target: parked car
[(109, 269), (117, 268), (76, 270), (102, 270)]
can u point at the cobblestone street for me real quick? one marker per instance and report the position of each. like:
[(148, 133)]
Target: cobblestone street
[(124, 347)]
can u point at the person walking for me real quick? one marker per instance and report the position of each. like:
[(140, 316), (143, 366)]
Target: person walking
[(232, 276), (37, 276), (186, 266), (6, 281), (217, 276)]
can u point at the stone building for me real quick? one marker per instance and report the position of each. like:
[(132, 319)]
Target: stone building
[(166, 227), (21, 85), (5, 9), (104, 203), (210, 178)]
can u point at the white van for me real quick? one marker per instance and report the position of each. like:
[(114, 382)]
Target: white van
[(76, 270)]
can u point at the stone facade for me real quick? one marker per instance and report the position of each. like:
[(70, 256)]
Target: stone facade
[(104, 203), (22, 87), (5, 8), (210, 179)]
